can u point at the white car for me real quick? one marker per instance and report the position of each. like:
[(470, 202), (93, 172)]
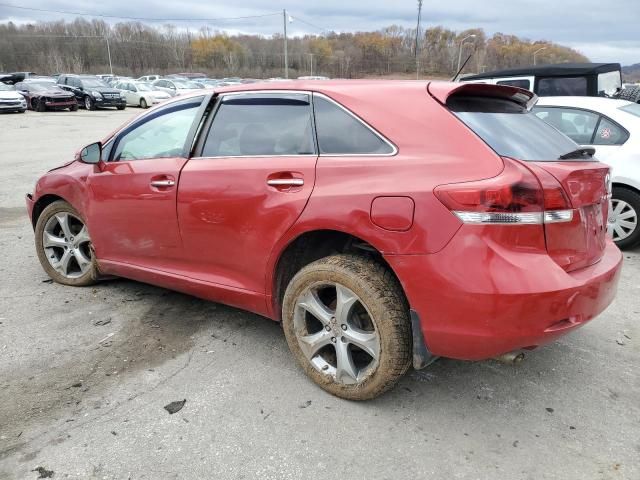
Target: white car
[(175, 87), (612, 127), (140, 94), (11, 100), (149, 78)]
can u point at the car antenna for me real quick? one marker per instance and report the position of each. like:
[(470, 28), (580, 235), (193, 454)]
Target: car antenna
[(462, 67)]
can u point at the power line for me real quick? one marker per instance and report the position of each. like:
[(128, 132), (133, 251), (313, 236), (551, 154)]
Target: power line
[(101, 15), (310, 24)]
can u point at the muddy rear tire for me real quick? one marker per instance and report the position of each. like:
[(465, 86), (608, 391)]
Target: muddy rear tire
[(360, 313)]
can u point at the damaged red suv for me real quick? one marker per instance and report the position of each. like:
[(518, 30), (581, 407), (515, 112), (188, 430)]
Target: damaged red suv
[(384, 223)]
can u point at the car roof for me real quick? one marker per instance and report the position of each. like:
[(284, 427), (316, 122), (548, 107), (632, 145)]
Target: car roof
[(550, 70)]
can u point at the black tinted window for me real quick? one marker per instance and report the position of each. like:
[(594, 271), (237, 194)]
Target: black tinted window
[(511, 130), (261, 124), (522, 83), (340, 133), (554, 87)]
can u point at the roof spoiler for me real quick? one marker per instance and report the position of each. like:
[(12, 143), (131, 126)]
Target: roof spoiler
[(442, 91)]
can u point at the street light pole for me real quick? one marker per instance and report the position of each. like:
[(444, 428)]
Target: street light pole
[(311, 57), (109, 54), (462, 45), (286, 58), (536, 53), (417, 36)]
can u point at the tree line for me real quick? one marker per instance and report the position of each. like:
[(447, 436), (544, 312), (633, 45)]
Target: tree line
[(83, 46)]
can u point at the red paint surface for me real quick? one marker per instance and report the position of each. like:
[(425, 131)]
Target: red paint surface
[(220, 231)]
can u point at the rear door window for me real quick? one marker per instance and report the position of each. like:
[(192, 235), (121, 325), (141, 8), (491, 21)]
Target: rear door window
[(578, 125), (510, 130), (261, 125), (341, 133), (561, 86)]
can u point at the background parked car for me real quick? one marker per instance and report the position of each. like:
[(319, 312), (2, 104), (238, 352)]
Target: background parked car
[(11, 100), (92, 92), (175, 87), (612, 127), (149, 78), (138, 94), (45, 95)]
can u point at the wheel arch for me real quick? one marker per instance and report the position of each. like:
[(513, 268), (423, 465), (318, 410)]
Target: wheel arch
[(312, 245), (43, 202), (626, 186)]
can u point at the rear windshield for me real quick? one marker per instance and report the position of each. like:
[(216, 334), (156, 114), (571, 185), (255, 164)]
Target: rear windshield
[(510, 129)]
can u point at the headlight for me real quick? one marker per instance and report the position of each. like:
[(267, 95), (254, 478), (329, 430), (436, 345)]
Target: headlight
[(96, 94)]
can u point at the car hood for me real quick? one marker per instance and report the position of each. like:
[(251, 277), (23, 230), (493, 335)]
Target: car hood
[(54, 92), (10, 95), (103, 90)]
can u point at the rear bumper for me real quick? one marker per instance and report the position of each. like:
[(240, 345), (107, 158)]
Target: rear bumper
[(476, 302)]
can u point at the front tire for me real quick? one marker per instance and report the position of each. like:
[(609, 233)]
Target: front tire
[(625, 227), (346, 321), (89, 104), (40, 106), (64, 246), (143, 103), (73, 108)]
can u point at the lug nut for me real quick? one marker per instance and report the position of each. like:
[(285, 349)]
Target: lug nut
[(327, 328), (344, 327), (333, 339)]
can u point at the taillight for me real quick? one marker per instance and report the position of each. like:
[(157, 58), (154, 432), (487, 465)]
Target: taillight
[(516, 196)]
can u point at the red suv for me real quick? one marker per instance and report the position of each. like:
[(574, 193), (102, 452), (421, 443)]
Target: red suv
[(384, 223)]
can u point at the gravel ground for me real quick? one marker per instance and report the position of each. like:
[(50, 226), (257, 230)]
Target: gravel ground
[(85, 374)]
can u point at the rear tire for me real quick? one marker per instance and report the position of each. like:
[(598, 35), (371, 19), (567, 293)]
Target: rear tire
[(357, 303), (628, 210), (143, 103)]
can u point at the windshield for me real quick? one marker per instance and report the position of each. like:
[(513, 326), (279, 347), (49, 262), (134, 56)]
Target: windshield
[(511, 130), (6, 88), (143, 87), (632, 108), (40, 87), (609, 83), (184, 85), (93, 83)]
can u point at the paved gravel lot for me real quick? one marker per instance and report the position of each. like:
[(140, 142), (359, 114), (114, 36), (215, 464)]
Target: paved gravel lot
[(85, 374)]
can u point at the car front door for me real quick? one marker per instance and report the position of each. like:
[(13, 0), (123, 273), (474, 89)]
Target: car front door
[(250, 180), (131, 212)]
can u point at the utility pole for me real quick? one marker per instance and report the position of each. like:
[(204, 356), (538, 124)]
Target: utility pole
[(286, 58), (417, 36), (109, 54)]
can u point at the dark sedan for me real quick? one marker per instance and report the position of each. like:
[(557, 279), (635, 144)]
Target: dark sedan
[(43, 96)]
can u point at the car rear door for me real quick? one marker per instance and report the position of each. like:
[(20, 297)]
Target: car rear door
[(250, 180), (131, 211)]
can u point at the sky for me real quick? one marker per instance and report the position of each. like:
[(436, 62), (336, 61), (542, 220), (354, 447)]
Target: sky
[(603, 31)]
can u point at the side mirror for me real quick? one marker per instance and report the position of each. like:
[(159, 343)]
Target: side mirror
[(91, 153)]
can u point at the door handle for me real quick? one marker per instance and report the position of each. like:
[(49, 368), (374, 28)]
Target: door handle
[(162, 183), (285, 182)]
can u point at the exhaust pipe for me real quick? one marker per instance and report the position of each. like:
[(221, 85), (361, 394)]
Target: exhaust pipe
[(510, 358)]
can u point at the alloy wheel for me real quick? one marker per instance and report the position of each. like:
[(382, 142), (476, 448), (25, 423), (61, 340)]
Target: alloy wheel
[(624, 220), (87, 103), (336, 333), (67, 245)]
